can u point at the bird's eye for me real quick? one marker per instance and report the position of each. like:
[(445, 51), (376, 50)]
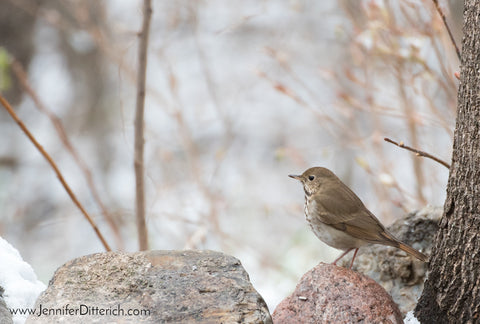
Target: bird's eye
[(311, 177)]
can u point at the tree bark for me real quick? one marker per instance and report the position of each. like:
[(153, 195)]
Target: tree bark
[(452, 290)]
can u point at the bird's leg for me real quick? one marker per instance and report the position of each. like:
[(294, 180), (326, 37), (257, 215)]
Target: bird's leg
[(353, 259), (343, 254)]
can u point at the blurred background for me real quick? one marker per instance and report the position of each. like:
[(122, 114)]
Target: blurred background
[(239, 95)]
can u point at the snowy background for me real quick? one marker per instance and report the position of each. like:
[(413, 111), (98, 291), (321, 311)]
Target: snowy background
[(239, 95)]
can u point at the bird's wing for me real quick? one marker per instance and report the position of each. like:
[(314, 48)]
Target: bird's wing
[(343, 210)]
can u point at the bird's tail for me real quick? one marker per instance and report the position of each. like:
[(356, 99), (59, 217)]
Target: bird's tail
[(402, 246), (419, 255)]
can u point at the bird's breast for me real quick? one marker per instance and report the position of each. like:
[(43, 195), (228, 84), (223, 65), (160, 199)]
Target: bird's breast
[(326, 233)]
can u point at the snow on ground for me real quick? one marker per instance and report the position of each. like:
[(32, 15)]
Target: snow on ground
[(410, 318), (19, 281)]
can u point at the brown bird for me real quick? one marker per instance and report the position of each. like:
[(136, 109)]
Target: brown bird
[(340, 219)]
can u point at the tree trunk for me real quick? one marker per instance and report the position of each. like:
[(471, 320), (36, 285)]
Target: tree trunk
[(452, 290)]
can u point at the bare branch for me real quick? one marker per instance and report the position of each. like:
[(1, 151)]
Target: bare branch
[(418, 152), (21, 75), (39, 147), (440, 12), (139, 126)]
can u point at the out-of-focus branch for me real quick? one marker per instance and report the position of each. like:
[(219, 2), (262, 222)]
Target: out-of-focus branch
[(12, 113), (19, 71), (139, 126), (194, 164), (418, 152), (444, 19), (412, 127)]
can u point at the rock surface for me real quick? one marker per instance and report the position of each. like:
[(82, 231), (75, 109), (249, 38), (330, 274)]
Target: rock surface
[(400, 274), (332, 294), (5, 316), (152, 287)]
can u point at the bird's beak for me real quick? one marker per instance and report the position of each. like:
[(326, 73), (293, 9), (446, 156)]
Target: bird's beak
[(297, 177)]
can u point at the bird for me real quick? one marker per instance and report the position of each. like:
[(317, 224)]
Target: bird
[(339, 218)]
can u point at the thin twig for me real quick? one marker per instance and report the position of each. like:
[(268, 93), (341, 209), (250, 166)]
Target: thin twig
[(418, 152), (55, 169), (440, 12), (21, 75), (139, 126)]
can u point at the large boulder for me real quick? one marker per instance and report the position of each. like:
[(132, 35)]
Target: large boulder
[(151, 287), (332, 294), (399, 273)]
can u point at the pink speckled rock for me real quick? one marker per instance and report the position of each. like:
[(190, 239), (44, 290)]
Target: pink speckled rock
[(331, 294)]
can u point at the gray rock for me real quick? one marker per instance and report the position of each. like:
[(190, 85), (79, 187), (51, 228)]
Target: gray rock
[(400, 274), (5, 316), (332, 294), (154, 287)]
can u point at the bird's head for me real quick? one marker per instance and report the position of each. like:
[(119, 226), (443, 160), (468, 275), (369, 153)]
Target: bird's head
[(313, 179)]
